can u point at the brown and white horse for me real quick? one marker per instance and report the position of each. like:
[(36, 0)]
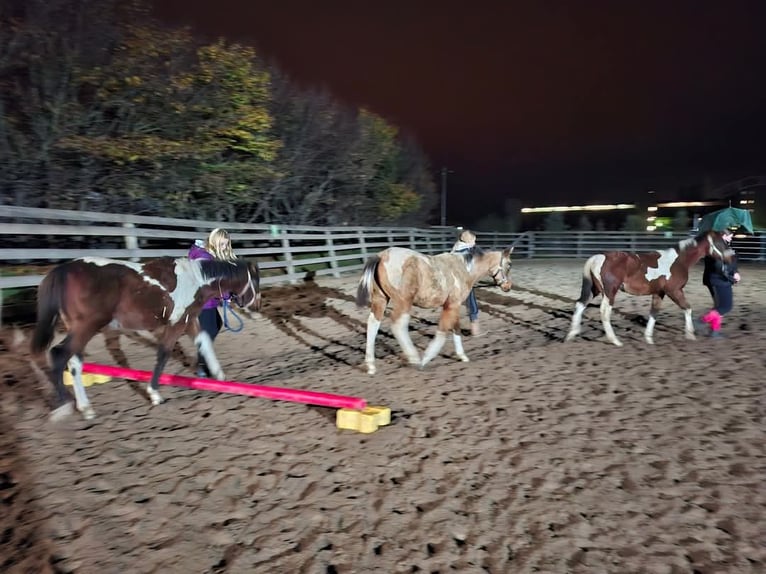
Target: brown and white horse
[(409, 278), (163, 295), (657, 273)]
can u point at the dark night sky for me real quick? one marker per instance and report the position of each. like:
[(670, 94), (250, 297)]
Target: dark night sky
[(547, 101)]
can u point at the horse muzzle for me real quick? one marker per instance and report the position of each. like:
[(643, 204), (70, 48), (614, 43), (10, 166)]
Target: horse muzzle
[(506, 285)]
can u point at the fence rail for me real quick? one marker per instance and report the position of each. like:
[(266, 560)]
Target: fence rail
[(33, 239)]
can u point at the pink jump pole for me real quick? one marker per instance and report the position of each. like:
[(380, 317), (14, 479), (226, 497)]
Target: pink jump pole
[(265, 392)]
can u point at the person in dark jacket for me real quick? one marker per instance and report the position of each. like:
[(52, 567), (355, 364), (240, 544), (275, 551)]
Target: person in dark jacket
[(465, 242), (217, 246), (719, 277)]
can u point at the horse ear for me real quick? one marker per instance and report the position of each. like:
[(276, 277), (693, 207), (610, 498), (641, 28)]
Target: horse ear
[(508, 250)]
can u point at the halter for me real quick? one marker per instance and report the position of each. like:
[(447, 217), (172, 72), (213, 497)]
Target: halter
[(501, 270), (238, 298)]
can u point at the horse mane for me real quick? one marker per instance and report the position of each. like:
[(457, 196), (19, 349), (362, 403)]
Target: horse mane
[(472, 253), (215, 269), (693, 241)]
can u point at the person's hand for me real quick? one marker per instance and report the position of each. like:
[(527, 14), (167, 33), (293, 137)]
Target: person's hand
[(736, 277)]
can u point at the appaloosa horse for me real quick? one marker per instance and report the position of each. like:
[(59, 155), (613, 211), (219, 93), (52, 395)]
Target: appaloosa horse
[(164, 295), (412, 279), (657, 273)]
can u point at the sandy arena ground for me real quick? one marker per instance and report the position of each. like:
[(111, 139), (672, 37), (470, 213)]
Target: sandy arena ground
[(537, 456)]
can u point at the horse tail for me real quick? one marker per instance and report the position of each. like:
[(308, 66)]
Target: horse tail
[(590, 271), (50, 301), (364, 290)]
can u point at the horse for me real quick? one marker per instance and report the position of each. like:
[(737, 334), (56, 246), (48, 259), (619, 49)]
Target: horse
[(656, 273), (163, 295), (412, 279)]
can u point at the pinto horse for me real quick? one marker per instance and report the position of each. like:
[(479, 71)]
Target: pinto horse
[(412, 279), (656, 273), (163, 295)]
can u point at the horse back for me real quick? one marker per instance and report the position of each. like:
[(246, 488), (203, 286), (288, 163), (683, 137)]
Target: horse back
[(427, 281)]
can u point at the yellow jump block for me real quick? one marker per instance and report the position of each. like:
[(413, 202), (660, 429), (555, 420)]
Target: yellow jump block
[(366, 420), (88, 379)]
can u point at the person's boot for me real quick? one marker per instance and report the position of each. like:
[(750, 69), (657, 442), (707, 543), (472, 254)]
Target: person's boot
[(715, 326)]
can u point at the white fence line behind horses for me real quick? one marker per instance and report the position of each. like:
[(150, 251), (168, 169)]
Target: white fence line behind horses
[(32, 239)]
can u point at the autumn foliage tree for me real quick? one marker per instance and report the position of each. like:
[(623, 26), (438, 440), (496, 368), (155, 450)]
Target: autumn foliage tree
[(126, 115)]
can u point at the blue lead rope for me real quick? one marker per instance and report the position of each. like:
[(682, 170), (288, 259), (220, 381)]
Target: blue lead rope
[(226, 310)]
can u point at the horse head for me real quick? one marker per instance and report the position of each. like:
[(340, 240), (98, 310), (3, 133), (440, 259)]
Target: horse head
[(250, 295), (501, 272)]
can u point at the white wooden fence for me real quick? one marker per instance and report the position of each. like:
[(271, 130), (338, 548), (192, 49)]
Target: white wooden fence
[(32, 239)]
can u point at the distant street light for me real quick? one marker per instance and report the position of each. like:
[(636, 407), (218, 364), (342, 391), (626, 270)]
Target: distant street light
[(445, 171)]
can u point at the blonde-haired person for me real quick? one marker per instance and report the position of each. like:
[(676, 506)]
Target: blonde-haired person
[(465, 242), (217, 246)]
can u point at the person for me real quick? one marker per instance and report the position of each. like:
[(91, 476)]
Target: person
[(718, 277), (465, 242), (217, 246)]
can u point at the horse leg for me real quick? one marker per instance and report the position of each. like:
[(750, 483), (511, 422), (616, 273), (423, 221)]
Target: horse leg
[(59, 355), (588, 289), (679, 298), (164, 349), (81, 398), (656, 305), (377, 309), (606, 319), (205, 349), (400, 329), (69, 351), (152, 389), (575, 327), (447, 322)]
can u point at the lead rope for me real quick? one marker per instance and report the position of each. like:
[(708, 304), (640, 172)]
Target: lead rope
[(226, 310)]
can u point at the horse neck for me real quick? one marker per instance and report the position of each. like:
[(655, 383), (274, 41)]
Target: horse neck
[(694, 253), (482, 265)]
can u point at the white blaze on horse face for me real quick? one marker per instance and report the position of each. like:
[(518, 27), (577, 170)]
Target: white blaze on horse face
[(666, 260), (137, 267), (188, 281)]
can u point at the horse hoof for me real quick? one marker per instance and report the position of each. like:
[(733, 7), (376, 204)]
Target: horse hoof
[(650, 341), (464, 358), (154, 397), (370, 370), (569, 337), (617, 342), (691, 337), (88, 413), (61, 412)]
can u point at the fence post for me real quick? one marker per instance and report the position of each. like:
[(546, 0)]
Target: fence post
[(531, 245), (362, 245), (331, 251), (131, 241), (290, 266)]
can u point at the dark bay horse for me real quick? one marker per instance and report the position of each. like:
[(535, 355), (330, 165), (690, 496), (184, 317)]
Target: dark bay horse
[(163, 295), (409, 278), (657, 273)]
